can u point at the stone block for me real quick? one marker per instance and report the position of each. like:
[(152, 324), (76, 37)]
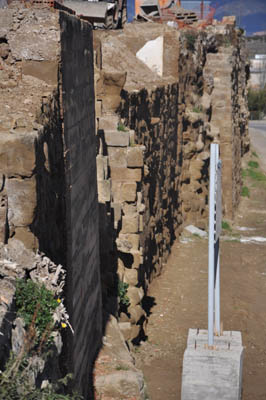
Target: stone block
[(136, 313), (117, 157), (130, 224), (102, 167), (126, 174), (124, 191), (123, 244), (131, 276), (129, 208), (135, 330), (212, 373), (127, 243), (125, 328), (17, 154), (108, 122), (116, 138), (135, 156), (138, 259), (104, 191), (129, 191), (141, 223), (21, 201), (117, 210), (135, 295), (27, 237)]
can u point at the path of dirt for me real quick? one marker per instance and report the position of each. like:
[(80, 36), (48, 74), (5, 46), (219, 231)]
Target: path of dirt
[(180, 302)]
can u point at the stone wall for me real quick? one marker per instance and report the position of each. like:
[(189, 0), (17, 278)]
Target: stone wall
[(164, 186), (48, 161)]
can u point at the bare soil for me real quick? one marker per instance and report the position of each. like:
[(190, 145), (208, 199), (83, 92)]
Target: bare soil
[(178, 301)]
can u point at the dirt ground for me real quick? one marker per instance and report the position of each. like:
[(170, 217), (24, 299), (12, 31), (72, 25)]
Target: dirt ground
[(178, 300)]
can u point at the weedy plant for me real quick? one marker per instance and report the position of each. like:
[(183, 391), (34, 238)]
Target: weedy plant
[(245, 191), (197, 109), (121, 127), (35, 303), (122, 293), (226, 226), (15, 383)]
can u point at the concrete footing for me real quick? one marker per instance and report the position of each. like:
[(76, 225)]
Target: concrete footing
[(212, 374)]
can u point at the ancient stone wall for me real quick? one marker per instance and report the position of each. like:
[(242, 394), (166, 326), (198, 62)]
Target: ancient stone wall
[(164, 186), (48, 161)]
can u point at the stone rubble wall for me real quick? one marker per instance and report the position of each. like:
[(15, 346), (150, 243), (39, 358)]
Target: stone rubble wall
[(154, 175)]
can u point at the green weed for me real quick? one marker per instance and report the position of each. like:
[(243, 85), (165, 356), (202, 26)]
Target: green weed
[(121, 127), (35, 302), (256, 175), (197, 109), (121, 367), (254, 154), (253, 164), (122, 293), (226, 226), (245, 191)]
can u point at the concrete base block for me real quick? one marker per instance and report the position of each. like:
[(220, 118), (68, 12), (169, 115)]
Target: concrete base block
[(212, 374)]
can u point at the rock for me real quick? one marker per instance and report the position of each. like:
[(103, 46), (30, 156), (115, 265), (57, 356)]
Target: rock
[(104, 191), (122, 385), (131, 276), (130, 224), (117, 157), (196, 231), (135, 156), (126, 174), (125, 328), (135, 295), (18, 336), (115, 138), (4, 50)]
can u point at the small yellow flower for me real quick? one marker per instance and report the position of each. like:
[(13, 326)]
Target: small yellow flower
[(63, 325), (58, 301)]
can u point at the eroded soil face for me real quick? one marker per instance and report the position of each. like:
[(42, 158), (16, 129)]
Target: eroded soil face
[(179, 301)]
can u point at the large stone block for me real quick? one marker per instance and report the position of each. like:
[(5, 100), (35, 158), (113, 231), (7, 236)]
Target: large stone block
[(135, 295), (131, 276), (115, 138), (102, 167), (17, 154), (130, 224), (212, 373), (136, 313), (104, 191), (135, 156), (117, 157), (21, 201), (127, 243), (126, 174), (124, 191)]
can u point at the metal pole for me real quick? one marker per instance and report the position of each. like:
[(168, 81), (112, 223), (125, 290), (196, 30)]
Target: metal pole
[(217, 281), (211, 246)]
